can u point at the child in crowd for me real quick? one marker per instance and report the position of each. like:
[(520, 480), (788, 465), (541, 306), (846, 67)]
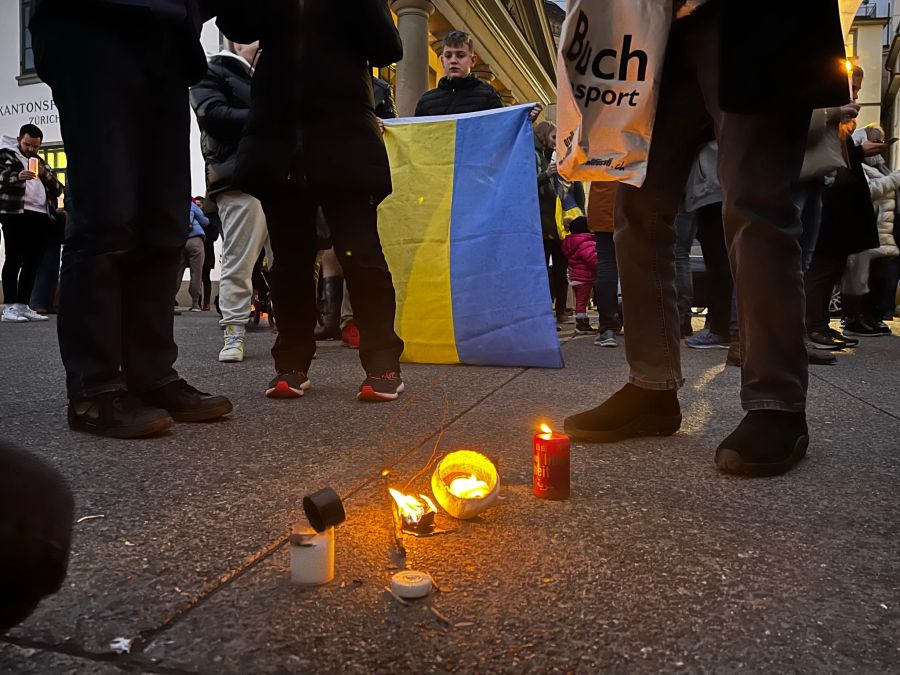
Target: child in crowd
[(581, 251)]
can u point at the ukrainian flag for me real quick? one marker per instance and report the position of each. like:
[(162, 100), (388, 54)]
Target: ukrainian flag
[(462, 236)]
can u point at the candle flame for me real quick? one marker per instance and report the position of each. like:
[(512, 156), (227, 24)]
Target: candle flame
[(546, 429), (468, 487), (848, 65), (411, 509)]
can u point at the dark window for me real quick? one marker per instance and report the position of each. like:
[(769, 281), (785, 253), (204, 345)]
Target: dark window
[(27, 54)]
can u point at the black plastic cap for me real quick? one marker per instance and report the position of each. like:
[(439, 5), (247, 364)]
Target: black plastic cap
[(324, 509)]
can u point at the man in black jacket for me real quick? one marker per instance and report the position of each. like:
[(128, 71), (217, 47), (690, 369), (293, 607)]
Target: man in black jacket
[(221, 101), (460, 90), (120, 71), (753, 71)]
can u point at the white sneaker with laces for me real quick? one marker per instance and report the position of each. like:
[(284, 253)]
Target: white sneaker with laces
[(30, 314), (12, 315), (233, 351)]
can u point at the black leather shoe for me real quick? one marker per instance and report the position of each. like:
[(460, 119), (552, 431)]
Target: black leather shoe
[(117, 414), (187, 404), (628, 413), (765, 443)]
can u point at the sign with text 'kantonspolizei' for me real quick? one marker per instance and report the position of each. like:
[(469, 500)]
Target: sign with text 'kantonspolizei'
[(609, 67)]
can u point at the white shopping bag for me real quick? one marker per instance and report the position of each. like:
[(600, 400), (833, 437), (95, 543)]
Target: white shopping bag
[(609, 67)]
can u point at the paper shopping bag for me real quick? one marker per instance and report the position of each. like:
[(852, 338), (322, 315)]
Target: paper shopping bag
[(609, 68)]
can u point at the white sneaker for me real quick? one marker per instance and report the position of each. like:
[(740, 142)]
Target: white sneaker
[(30, 314), (12, 314), (233, 351)]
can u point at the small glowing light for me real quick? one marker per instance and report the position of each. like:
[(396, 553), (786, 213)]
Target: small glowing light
[(421, 200), (468, 487), (546, 429), (385, 472), (848, 65)]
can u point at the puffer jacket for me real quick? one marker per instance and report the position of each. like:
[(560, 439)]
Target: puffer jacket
[(456, 95), (581, 252), (221, 101), (883, 186)]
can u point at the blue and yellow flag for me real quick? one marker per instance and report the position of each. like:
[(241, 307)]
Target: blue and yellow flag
[(462, 237)]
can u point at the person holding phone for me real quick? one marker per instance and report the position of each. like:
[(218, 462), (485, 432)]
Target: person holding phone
[(28, 193)]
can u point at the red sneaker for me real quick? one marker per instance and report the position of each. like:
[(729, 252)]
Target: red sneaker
[(350, 336)]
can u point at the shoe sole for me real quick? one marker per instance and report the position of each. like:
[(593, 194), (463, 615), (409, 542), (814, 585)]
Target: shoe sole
[(851, 332), (150, 429), (369, 395), (690, 346), (825, 348), (645, 425), (22, 320), (231, 359), (284, 390), (730, 461), (204, 415), (607, 344)]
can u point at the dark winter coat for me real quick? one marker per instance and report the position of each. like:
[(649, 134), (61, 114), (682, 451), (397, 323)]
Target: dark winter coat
[(185, 16), (456, 95), (849, 224), (546, 191), (221, 101), (787, 55), (581, 252), (384, 104), (312, 111)]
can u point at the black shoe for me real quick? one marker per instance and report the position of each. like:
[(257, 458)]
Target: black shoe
[(584, 326), (840, 338), (881, 327), (288, 385), (329, 326), (630, 412), (765, 443), (385, 387), (117, 414), (816, 357), (860, 328), (824, 341), (687, 329), (187, 404), (734, 357)]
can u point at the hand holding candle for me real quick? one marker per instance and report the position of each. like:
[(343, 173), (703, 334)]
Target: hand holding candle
[(551, 464)]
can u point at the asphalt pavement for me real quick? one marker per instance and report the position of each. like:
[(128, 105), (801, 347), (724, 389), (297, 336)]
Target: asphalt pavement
[(655, 563)]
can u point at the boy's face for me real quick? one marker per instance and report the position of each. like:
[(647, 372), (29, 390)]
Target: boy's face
[(457, 60)]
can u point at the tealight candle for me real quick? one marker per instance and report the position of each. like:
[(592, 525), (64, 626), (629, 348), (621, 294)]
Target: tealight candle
[(551, 464)]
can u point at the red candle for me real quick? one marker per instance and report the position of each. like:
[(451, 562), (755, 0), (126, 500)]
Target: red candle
[(551, 464)]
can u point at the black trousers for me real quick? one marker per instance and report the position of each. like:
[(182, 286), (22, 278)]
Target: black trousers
[(122, 94), (824, 273), (26, 238), (606, 288), (209, 262), (559, 282), (711, 235), (291, 219)]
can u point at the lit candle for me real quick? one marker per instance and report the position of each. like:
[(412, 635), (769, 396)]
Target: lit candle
[(551, 464)]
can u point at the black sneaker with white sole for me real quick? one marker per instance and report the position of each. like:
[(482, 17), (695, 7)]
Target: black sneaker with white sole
[(861, 328), (117, 414), (385, 387), (288, 385)]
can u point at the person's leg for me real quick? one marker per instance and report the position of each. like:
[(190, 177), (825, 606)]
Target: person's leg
[(711, 233), (685, 233), (291, 219), (36, 227), (559, 278), (329, 326), (16, 235), (606, 288), (195, 250), (645, 252), (244, 235), (823, 273), (353, 220), (209, 262), (808, 198), (47, 279)]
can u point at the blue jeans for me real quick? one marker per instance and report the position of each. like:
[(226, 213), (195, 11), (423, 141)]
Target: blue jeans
[(685, 233), (606, 288), (47, 278), (808, 199)]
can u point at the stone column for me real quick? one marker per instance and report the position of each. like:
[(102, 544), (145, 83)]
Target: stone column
[(412, 71)]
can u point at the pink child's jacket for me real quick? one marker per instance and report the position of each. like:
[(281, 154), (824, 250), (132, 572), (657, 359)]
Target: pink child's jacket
[(581, 251)]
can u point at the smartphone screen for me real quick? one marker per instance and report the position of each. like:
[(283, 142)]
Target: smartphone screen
[(33, 165)]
